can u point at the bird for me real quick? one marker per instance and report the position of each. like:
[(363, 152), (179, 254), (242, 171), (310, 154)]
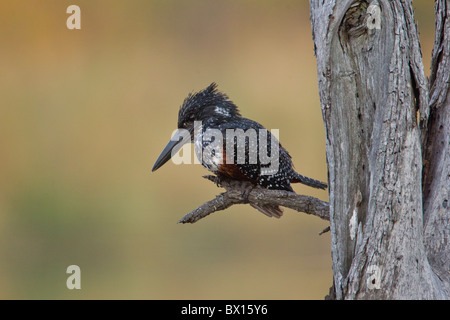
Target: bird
[(233, 147)]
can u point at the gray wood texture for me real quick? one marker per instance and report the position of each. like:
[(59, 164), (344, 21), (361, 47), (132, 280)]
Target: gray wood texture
[(385, 129), (242, 192)]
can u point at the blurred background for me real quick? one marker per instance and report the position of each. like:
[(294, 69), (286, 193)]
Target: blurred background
[(85, 113)]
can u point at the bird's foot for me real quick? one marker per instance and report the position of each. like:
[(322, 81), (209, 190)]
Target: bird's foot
[(217, 180), (247, 189)]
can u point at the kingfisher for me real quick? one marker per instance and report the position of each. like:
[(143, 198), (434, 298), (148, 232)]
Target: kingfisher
[(233, 147)]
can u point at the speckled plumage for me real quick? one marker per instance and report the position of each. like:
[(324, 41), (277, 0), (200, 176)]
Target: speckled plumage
[(216, 111)]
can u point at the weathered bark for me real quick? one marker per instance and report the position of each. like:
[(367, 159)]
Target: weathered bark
[(372, 88), (237, 192), (436, 174)]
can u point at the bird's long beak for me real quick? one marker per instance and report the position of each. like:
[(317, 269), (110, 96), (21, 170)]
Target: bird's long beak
[(179, 138)]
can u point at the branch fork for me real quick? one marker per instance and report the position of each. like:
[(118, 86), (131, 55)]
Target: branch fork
[(243, 192)]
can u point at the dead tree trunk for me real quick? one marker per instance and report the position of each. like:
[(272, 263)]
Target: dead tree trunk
[(385, 130)]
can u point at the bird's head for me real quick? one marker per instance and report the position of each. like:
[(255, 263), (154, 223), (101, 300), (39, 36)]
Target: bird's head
[(208, 105)]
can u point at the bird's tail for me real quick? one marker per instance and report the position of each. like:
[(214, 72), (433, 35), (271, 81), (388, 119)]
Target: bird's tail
[(308, 181), (269, 210)]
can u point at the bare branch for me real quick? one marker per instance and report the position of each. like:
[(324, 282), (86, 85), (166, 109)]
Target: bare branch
[(237, 192)]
